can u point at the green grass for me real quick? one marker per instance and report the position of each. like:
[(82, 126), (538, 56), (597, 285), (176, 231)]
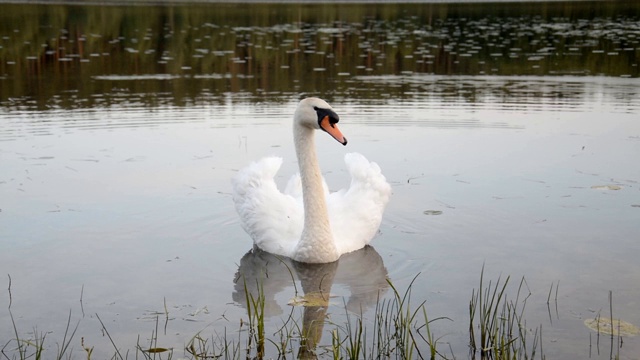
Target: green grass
[(497, 327), (256, 327), (398, 328)]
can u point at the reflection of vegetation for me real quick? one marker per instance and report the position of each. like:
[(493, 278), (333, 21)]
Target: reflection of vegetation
[(52, 53)]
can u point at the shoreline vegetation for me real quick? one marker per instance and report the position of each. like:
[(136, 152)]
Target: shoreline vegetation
[(400, 328)]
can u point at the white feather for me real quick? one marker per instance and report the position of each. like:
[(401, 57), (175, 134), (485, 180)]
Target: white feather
[(276, 220)]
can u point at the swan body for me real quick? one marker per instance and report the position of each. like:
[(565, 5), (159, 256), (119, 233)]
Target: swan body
[(306, 222)]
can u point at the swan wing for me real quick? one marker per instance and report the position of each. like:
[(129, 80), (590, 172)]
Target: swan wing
[(273, 219), (356, 213)]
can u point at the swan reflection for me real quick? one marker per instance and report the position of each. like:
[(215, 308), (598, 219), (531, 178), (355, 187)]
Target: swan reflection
[(360, 274)]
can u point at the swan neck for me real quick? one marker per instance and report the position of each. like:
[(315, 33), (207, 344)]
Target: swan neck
[(316, 244)]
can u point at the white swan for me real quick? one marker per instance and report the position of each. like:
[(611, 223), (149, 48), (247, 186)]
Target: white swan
[(306, 223)]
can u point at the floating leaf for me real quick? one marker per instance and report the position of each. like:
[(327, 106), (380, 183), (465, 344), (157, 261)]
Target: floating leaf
[(315, 298), (297, 301), (607, 187), (156, 350), (432, 212), (619, 328)]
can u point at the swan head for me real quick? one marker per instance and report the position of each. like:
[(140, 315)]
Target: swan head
[(317, 114)]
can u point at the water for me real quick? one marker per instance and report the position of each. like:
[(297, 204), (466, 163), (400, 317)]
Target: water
[(120, 129)]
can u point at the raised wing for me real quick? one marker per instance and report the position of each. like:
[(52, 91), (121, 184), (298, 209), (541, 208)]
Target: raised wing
[(356, 213), (273, 219)]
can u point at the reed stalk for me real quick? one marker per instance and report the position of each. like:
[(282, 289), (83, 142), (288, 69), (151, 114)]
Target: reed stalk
[(397, 329)]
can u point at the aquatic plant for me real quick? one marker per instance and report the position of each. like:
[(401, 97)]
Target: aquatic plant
[(398, 328), (398, 331), (497, 328)]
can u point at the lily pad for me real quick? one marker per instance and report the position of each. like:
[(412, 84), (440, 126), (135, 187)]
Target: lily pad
[(619, 328), (432, 212), (316, 298), (607, 187), (156, 350)]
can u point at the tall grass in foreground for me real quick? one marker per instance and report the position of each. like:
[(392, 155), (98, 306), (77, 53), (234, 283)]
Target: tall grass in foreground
[(34, 348), (497, 328), (398, 329)]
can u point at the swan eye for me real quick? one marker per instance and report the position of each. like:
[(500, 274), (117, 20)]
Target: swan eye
[(322, 113)]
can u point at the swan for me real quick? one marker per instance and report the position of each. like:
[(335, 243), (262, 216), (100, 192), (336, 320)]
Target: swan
[(305, 222)]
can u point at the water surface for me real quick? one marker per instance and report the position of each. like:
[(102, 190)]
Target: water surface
[(509, 138)]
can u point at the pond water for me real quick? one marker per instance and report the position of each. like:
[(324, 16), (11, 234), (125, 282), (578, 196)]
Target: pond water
[(509, 135)]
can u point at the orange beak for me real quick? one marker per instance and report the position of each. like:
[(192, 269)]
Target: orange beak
[(333, 130)]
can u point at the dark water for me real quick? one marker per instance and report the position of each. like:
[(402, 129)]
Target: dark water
[(509, 133), (95, 56)]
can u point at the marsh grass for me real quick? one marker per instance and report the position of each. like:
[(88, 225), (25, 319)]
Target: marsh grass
[(153, 350), (609, 327), (398, 328), (256, 327), (497, 327), (34, 347)]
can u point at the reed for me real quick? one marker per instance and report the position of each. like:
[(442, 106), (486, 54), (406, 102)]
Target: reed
[(33, 348), (499, 324), (153, 350), (398, 328), (255, 312)]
